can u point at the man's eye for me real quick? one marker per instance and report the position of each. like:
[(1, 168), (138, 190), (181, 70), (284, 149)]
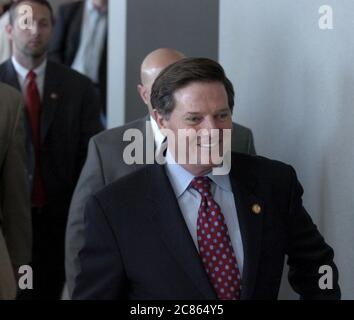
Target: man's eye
[(223, 116), (193, 119)]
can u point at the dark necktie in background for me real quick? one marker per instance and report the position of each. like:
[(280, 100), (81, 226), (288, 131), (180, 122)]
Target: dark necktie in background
[(33, 105)]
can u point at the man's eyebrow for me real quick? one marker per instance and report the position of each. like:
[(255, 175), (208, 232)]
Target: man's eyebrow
[(223, 110), (201, 113), (194, 113)]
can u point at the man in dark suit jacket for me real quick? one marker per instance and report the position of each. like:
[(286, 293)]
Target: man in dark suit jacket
[(15, 226), (68, 116), (67, 37), (105, 162), (181, 231)]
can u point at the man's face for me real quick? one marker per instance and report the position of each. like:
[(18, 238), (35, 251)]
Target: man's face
[(32, 40), (202, 107)]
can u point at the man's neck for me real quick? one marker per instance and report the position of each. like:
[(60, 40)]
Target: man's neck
[(195, 170), (28, 62)]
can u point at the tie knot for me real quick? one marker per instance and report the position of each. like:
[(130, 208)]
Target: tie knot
[(202, 185), (31, 75)]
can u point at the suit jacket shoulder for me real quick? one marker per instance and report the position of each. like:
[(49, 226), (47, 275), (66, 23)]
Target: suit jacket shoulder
[(55, 73), (64, 73), (114, 136), (242, 139), (244, 130), (10, 94), (133, 182), (259, 166)]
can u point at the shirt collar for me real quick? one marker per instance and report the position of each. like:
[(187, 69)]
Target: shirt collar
[(158, 136), (222, 181), (180, 178), (22, 71)]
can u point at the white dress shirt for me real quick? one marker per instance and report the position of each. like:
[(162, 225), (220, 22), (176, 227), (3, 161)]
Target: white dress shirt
[(93, 35), (189, 202), (158, 136), (22, 73)]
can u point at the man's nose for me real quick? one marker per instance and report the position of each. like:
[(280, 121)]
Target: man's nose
[(209, 132), (209, 124), (34, 28)]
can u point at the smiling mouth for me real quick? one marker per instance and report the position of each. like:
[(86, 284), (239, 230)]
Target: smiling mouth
[(209, 145)]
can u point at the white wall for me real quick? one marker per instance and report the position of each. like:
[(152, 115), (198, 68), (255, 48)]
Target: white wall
[(295, 89), (153, 24), (116, 63)]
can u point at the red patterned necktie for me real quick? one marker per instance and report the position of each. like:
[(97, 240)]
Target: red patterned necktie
[(215, 246), (33, 104)]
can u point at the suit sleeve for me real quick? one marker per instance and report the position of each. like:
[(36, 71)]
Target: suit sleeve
[(102, 275), (90, 120), (91, 181), (17, 225), (307, 252)]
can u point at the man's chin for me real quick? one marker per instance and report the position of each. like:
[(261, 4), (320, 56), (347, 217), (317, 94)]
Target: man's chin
[(34, 53), (199, 169), (37, 55)]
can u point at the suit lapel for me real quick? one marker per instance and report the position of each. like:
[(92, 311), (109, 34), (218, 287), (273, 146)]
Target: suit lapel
[(250, 220), (174, 231), (51, 98)]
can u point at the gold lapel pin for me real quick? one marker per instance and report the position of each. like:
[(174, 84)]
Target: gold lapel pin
[(54, 96), (256, 209)]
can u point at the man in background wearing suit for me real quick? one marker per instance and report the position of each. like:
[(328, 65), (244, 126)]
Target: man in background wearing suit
[(181, 231), (62, 115), (15, 226), (80, 41), (105, 162)]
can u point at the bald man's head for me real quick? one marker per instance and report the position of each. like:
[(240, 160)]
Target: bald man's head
[(151, 67)]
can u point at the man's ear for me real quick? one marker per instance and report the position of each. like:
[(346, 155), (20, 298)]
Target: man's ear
[(143, 93), (8, 29), (161, 122)]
